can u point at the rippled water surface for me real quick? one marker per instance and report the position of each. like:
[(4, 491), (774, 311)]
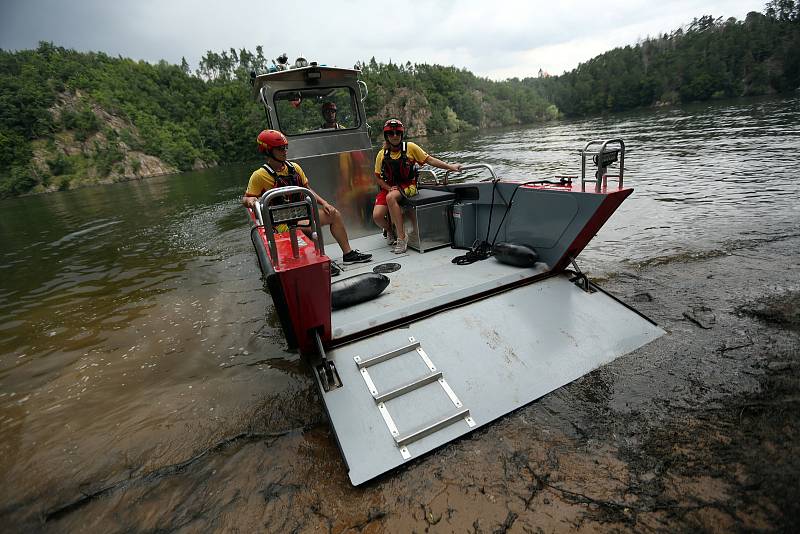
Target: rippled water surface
[(703, 176), (134, 330)]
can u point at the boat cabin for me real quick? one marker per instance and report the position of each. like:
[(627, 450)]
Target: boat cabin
[(338, 160)]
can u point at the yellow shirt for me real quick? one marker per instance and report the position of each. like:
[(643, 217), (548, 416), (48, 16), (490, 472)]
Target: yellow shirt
[(261, 181), (414, 153)]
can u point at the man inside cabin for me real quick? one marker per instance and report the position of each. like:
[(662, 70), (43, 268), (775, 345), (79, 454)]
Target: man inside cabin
[(278, 171), (329, 114)]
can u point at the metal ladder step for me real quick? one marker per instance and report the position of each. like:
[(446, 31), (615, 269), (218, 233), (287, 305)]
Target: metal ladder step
[(363, 364), (405, 439), (431, 427), (407, 388)]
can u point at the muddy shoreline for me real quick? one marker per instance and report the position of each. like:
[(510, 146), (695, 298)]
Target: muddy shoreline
[(698, 431)]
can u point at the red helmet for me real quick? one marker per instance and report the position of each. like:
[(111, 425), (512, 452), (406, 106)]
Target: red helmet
[(393, 124), (269, 139), (329, 105)]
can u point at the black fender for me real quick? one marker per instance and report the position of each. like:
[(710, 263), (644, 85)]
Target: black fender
[(356, 289), (516, 255)]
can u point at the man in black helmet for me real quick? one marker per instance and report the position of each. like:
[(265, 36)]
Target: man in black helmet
[(329, 114)]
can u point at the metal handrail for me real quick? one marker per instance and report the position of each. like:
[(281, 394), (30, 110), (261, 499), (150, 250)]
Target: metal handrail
[(426, 172), (262, 96), (264, 203), (366, 89), (473, 167), (601, 178)]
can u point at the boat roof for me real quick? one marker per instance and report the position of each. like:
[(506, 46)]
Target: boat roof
[(304, 76)]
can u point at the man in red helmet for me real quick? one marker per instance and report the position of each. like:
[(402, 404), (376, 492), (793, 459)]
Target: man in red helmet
[(329, 114), (396, 172), (280, 172)]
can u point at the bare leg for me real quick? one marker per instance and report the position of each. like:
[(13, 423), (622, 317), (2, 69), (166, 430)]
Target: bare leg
[(393, 199), (337, 228), (379, 213), (412, 216)]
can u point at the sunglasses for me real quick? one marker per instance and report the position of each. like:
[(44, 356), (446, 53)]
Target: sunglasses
[(394, 132), (283, 147)]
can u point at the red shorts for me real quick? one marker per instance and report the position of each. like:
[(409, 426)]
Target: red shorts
[(380, 200)]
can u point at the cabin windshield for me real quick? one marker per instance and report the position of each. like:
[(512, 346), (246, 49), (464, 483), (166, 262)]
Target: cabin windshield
[(301, 111)]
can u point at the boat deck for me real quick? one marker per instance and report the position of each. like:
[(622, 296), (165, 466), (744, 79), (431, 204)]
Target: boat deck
[(424, 281)]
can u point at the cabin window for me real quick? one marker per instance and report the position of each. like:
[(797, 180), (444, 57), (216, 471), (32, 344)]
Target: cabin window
[(300, 112)]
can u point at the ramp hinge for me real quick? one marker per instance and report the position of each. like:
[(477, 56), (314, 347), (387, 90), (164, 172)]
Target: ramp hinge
[(325, 370), (580, 279)]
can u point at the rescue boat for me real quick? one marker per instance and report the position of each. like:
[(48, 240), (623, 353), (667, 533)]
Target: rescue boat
[(414, 350)]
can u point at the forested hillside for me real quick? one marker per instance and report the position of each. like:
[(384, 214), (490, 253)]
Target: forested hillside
[(712, 58), (68, 118)]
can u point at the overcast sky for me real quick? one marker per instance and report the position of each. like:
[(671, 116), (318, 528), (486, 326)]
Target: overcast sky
[(494, 38)]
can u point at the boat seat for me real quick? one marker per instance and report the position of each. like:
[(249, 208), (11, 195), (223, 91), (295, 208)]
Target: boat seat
[(427, 196), (427, 211)]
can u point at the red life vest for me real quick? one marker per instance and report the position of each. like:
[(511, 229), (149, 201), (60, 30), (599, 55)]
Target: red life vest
[(400, 171)]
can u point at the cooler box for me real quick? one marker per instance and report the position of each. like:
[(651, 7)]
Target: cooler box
[(427, 213)]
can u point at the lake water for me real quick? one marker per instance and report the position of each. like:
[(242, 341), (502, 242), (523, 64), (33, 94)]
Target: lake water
[(135, 331)]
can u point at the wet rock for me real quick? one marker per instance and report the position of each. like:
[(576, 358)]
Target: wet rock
[(701, 316), (782, 310)]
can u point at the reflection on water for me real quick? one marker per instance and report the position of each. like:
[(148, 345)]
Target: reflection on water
[(134, 329)]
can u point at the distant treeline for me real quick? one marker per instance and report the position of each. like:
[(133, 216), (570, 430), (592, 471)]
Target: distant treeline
[(711, 59), (66, 115)]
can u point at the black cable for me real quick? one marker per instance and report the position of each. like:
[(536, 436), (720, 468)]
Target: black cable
[(491, 209), (483, 249), (480, 250), (508, 208)]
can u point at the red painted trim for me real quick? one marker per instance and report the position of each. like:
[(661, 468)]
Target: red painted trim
[(609, 205)]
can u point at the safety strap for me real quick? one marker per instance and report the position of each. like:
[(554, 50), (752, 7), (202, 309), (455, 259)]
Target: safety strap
[(291, 179)]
